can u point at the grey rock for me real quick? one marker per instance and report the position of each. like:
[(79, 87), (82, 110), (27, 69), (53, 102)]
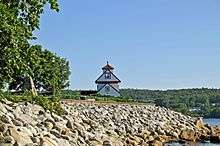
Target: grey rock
[(63, 142), (70, 123), (49, 125), (7, 102), (26, 119), (20, 137), (55, 133), (35, 139), (36, 109), (1, 137), (6, 144), (46, 141), (6, 119), (56, 117), (107, 143), (9, 139), (2, 108), (17, 122), (3, 127)]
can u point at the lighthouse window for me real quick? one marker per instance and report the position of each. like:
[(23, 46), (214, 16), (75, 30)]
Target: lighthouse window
[(107, 89), (108, 76)]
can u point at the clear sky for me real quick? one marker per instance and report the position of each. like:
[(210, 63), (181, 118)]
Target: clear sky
[(153, 44)]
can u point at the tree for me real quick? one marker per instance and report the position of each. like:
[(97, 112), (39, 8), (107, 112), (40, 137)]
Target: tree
[(18, 20), (52, 73), (29, 11), (13, 39), (49, 72)]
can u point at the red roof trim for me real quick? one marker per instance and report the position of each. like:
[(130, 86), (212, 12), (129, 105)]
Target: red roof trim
[(108, 66)]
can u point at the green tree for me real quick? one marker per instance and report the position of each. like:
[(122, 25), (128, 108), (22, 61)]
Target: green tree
[(18, 20), (49, 71)]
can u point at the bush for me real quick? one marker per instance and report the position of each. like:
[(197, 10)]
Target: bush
[(48, 103), (69, 94)]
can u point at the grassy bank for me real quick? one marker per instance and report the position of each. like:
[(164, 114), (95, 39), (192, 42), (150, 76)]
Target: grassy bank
[(50, 103)]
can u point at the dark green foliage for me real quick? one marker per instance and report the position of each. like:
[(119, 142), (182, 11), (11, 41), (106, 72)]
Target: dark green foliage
[(50, 103), (215, 113), (198, 102), (69, 94), (14, 38), (48, 70), (29, 11), (18, 20), (18, 58)]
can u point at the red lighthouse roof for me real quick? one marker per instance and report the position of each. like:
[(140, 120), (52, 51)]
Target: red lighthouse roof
[(108, 66)]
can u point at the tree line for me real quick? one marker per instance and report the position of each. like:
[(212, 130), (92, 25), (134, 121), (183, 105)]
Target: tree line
[(197, 102)]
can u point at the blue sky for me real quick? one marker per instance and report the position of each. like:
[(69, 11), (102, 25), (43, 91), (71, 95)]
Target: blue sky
[(153, 44)]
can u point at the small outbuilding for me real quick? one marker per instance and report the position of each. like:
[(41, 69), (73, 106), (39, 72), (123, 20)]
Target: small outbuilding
[(108, 82)]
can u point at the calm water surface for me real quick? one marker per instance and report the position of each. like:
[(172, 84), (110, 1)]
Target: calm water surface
[(212, 121), (208, 121)]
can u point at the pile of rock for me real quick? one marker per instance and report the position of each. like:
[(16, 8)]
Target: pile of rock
[(25, 124)]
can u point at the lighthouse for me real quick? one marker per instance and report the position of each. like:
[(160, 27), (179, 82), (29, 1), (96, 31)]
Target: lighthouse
[(108, 83)]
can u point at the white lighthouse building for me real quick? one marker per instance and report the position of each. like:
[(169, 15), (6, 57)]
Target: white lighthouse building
[(108, 83)]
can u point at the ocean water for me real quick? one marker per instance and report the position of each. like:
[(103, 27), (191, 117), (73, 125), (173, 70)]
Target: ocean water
[(208, 121), (212, 121)]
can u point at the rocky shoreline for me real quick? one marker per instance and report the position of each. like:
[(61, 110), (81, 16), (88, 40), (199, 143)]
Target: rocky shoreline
[(90, 124)]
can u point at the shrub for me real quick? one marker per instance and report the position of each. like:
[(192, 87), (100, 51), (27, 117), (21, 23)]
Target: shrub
[(48, 103)]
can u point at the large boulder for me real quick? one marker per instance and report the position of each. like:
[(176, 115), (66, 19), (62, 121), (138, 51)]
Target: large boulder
[(26, 119), (107, 143), (63, 142), (9, 139), (49, 125), (156, 143), (3, 110), (20, 137), (94, 143), (1, 137), (69, 123), (189, 135), (46, 141), (6, 119), (6, 144), (199, 123), (17, 122), (3, 127), (36, 109)]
